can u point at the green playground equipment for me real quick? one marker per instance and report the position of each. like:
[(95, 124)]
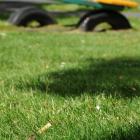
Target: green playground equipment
[(24, 12), (105, 4)]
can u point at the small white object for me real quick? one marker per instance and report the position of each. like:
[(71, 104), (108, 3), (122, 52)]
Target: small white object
[(62, 64), (98, 107)]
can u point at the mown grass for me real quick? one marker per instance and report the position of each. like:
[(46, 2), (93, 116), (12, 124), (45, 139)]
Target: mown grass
[(87, 85)]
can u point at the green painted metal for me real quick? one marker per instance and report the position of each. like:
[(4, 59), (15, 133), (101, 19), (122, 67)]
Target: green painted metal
[(94, 5)]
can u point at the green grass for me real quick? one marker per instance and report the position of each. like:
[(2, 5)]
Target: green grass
[(87, 85)]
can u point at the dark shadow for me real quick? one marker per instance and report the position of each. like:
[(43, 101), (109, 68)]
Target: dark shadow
[(120, 134), (131, 133), (72, 13), (118, 77), (4, 16)]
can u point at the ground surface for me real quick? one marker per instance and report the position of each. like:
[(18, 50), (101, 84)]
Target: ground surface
[(86, 85)]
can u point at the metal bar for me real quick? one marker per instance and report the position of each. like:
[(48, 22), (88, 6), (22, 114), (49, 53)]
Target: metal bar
[(11, 5), (28, 1)]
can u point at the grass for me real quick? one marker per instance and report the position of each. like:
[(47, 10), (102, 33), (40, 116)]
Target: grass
[(87, 85)]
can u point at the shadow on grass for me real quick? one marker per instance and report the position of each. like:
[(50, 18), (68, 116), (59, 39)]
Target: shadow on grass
[(118, 77), (120, 134)]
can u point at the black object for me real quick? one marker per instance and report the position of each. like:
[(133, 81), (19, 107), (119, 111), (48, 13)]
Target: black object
[(93, 18), (26, 15), (23, 12)]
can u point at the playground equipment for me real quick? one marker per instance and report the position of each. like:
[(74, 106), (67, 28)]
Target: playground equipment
[(24, 12)]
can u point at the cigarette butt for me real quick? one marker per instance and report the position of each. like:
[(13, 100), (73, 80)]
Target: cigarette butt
[(32, 137), (45, 128)]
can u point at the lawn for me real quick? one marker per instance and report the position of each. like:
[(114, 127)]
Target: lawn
[(86, 85)]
